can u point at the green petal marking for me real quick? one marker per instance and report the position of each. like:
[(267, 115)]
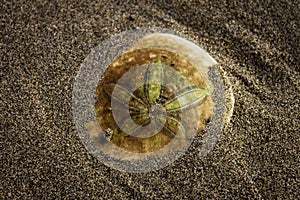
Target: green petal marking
[(153, 86), (187, 98), (174, 127), (122, 96), (154, 78), (130, 127)]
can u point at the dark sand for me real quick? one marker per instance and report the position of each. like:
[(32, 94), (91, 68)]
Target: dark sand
[(43, 45)]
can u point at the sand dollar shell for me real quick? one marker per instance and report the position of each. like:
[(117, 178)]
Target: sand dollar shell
[(141, 96)]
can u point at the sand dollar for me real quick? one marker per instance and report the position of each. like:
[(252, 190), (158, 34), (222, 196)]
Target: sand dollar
[(140, 98)]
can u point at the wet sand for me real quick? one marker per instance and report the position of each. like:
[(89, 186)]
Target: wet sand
[(43, 45)]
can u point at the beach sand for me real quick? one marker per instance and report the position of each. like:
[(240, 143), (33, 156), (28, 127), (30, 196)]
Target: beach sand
[(255, 43)]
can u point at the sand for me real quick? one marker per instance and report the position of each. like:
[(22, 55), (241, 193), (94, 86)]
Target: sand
[(255, 43)]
